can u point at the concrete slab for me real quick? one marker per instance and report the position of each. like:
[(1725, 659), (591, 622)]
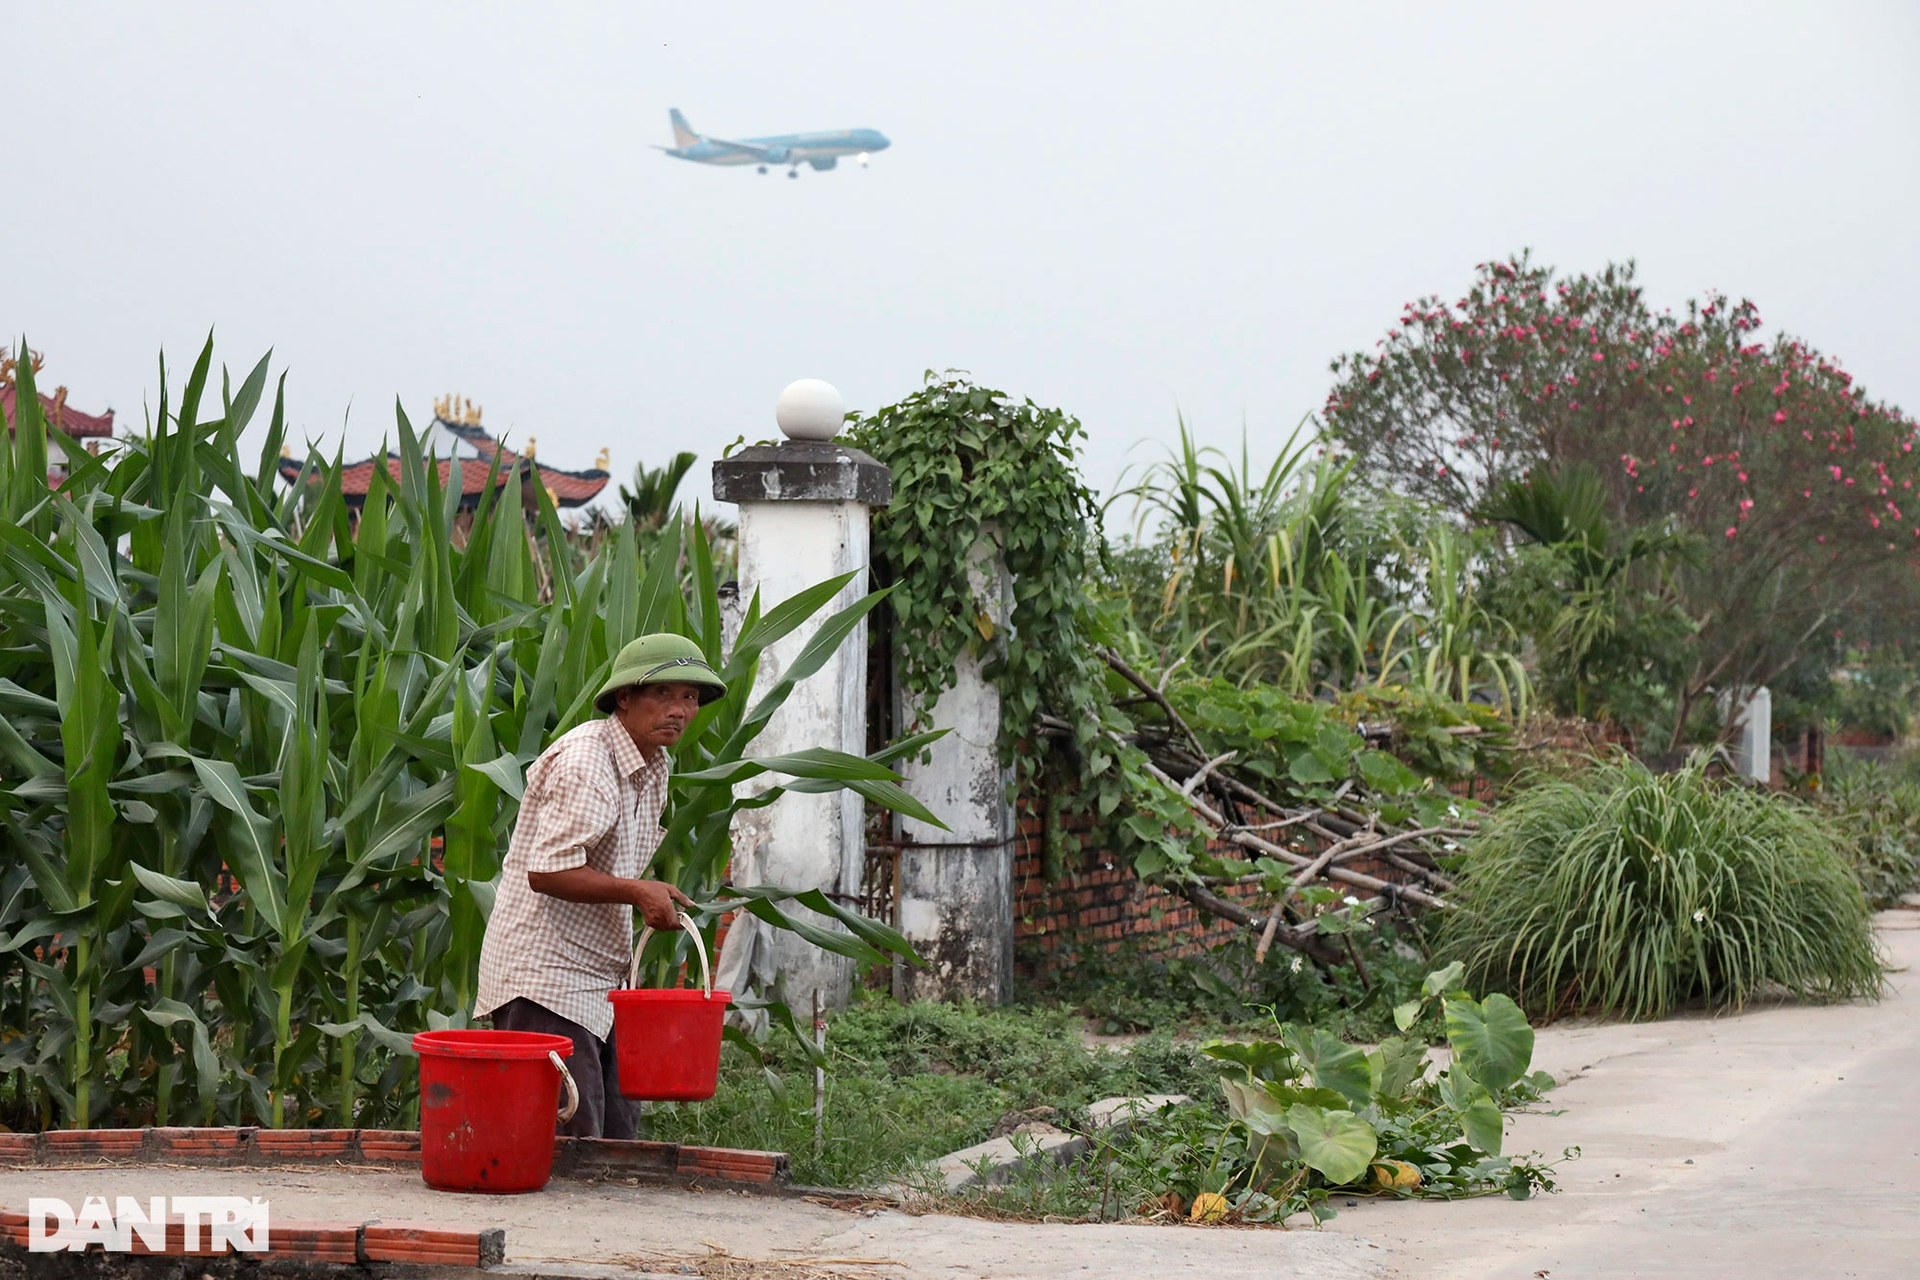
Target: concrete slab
[(1001, 1158)]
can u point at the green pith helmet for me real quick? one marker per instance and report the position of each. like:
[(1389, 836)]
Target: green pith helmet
[(661, 658)]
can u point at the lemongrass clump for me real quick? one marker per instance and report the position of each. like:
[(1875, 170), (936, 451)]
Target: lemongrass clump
[(1620, 891)]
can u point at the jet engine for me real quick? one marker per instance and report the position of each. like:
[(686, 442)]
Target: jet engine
[(825, 162)]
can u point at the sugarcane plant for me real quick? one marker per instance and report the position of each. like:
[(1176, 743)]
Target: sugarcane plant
[(261, 753)]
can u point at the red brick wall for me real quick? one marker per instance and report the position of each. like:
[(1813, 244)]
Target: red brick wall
[(1097, 901)]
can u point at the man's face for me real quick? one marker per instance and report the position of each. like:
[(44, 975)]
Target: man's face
[(657, 714)]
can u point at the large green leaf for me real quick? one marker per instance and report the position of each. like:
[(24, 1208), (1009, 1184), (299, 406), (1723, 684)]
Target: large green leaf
[(1490, 1038), (251, 853), (1251, 1106), (1330, 1061), (1263, 1059), (1337, 1143), (1395, 1064), (814, 762), (183, 893)]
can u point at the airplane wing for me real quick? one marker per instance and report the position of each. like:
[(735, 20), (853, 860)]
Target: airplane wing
[(751, 148)]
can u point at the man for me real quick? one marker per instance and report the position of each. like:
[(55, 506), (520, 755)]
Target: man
[(561, 934)]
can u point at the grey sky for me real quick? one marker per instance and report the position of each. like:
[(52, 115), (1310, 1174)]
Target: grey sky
[(1120, 209)]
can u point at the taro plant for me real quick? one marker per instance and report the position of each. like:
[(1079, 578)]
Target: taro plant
[(1305, 1115), (1620, 891), (1310, 1112), (261, 752)]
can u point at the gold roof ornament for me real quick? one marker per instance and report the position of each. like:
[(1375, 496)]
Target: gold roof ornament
[(457, 409), (605, 456), (533, 443), (9, 361)]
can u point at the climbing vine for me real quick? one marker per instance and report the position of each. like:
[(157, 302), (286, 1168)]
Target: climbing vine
[(972, 466), (973, 470)]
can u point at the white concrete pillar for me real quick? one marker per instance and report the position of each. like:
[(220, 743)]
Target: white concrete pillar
[(1753, 736), (804, 507), (955, 887)]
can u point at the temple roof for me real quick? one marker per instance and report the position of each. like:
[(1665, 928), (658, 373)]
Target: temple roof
[(59, 414), (569, 488)]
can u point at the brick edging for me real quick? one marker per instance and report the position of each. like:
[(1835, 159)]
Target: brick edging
[(351, 1244), (248, 1146)]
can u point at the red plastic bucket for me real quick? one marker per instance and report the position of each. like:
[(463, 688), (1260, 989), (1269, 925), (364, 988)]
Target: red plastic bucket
[(667, 1042), (488, 1101)]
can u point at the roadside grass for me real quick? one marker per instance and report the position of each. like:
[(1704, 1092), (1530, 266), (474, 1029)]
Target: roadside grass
[(911, 1083)]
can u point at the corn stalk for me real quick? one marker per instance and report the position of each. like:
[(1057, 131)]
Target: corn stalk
[(261, 754)]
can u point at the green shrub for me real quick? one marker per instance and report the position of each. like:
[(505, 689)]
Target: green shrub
[(1879, 805), (1619, 891)]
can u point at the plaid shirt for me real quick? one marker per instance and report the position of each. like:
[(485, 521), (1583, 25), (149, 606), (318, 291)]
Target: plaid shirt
[(592, 800)]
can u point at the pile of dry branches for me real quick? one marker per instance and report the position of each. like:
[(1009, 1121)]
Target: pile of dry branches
[(1321, 843)]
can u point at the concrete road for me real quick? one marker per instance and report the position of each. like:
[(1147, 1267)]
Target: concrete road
[(571, 1226), (1781, 1142)]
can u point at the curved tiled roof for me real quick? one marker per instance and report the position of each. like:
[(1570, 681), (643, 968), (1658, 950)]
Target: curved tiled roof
[(569, 488), (63, 417)]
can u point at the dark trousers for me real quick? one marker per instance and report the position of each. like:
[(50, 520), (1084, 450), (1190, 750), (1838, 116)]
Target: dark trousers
[(603, 1112)]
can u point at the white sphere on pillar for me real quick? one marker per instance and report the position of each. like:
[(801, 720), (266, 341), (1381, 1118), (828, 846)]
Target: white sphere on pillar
[(810, 410)]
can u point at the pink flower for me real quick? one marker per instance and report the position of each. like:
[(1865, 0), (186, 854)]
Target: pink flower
[(1731, 531), (1780, 415)]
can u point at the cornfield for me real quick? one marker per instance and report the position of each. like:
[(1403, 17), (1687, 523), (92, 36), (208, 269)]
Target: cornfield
[(261, 754)]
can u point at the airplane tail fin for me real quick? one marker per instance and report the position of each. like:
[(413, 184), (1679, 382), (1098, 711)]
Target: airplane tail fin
[(683, 134)]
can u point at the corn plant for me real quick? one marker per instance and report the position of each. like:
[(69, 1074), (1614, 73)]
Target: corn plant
[(261, 754)]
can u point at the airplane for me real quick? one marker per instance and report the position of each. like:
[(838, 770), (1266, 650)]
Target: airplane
[(821, 150)]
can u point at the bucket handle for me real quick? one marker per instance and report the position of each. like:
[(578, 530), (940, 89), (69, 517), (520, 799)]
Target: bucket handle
[(573, 1090), (692, 930)]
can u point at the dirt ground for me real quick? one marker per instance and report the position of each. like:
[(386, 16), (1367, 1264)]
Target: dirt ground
[(1781, 1142)]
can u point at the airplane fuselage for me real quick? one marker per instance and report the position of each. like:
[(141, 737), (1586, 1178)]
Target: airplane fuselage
[(821, 150)]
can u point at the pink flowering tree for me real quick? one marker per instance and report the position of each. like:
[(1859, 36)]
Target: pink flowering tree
[(1797, 487)]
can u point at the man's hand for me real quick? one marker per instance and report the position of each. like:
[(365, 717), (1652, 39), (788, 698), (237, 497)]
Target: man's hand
[(656, 900), (658, 903)]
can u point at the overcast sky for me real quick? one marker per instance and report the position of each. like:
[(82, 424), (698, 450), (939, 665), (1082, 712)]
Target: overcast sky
[(1121, 209)]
